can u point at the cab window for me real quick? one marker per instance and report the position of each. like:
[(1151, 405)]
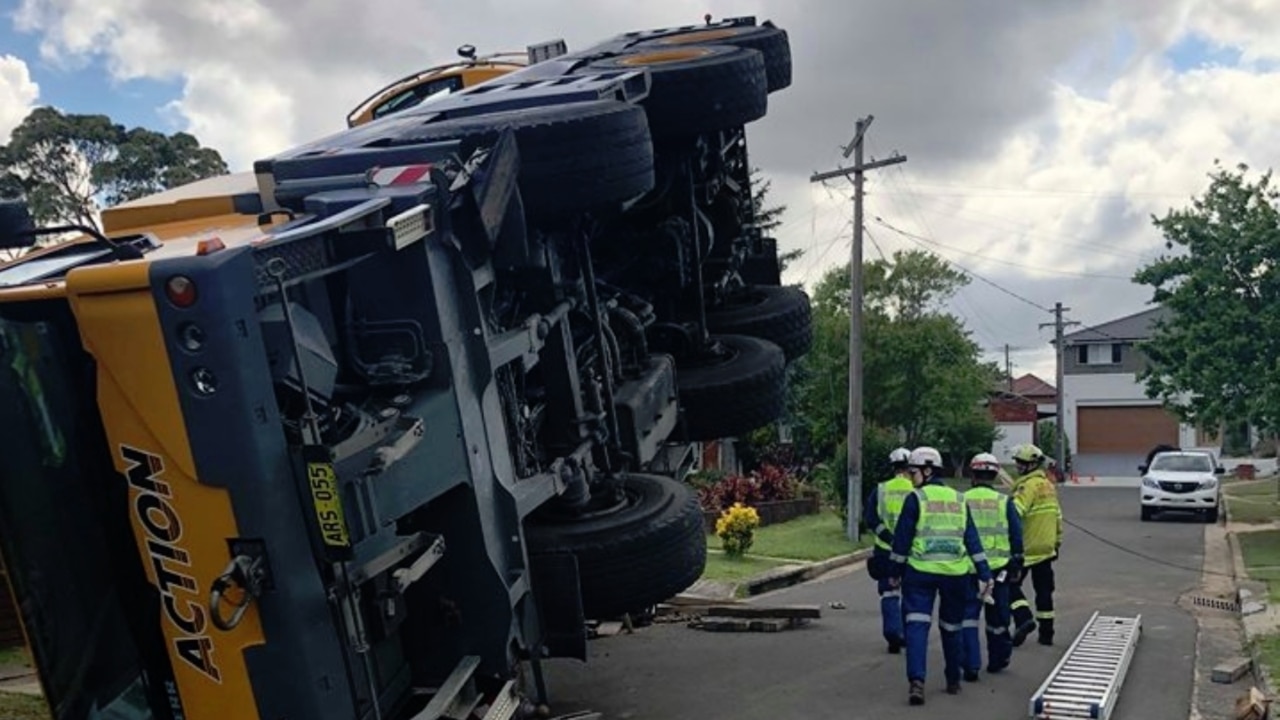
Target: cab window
[(416, 94)]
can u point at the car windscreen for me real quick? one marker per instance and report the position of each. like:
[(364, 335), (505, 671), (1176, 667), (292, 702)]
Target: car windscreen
[(1182, 463), (90, 615)]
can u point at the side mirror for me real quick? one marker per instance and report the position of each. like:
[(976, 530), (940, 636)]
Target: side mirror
[(1142, 468), (1219, 470), (16, 227)]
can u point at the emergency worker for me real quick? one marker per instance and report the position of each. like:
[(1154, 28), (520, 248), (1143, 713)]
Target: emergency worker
[(881, 514), (1000, 529), (935, 544), (1036, 498)]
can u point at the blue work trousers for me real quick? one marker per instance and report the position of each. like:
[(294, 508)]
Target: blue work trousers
[(919, 592), (996, 614), (890, 598)]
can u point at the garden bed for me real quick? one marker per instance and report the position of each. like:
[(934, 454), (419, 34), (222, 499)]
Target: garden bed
[(776, 512)]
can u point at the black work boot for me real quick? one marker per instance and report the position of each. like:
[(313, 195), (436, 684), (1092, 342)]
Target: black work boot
[(953, 688), (916, 694), (1021, 633), (895, 646), (971, 676), (1046, 632)]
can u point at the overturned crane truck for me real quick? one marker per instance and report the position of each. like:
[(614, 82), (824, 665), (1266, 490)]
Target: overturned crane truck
[(372, 430)]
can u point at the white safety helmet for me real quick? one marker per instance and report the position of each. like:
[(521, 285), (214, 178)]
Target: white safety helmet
[(984, 461), (901, 456), (925, 456)]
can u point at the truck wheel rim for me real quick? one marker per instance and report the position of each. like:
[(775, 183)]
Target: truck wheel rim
[(701, 36), (660, 57)]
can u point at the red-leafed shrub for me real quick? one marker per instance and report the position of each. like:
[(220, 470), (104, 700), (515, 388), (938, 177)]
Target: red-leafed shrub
[(770, 484)]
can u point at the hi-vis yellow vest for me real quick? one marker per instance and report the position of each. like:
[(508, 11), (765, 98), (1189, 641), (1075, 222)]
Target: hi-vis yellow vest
[(938, 547), (989, 510), (892, 494)]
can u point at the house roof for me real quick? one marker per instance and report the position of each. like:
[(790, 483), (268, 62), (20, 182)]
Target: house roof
[(1131, 327), (1031, 386)]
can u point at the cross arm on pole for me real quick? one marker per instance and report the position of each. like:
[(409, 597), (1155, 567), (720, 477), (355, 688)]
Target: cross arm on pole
[(845, 172)]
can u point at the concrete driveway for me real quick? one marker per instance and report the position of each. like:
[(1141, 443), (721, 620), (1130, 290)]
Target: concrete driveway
[(837, 667), (1108, 465)]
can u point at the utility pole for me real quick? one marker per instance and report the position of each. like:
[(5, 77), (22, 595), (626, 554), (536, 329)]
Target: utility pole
[(1058, 326), (1008, 367), (854, 440)]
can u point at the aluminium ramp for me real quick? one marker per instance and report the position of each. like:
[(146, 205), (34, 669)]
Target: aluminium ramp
[(1087, 680)]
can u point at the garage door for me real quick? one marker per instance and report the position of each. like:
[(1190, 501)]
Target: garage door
[(1124, 429)]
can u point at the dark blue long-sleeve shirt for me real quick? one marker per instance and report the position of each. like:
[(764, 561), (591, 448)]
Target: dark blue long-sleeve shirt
[(905, 534), (871, 516)]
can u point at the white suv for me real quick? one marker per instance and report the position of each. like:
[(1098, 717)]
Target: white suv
[(1181, 480)]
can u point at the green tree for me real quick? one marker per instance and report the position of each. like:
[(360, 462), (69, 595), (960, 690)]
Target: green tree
[(1047, 440), (148, 162), (1213, 361), (70, 166), (923, 378)]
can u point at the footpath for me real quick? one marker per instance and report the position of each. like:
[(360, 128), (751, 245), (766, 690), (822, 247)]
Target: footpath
[(1238, 643)]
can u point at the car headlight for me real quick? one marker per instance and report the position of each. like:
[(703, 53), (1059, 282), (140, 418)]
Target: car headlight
[(1209, 484), (1148, 482)]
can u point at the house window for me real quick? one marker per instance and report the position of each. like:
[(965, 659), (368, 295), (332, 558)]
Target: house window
[(1099, 354)]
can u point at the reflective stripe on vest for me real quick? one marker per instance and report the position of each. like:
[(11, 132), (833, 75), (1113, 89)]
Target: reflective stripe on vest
[(989, 509), (938, 547), (893, 493)]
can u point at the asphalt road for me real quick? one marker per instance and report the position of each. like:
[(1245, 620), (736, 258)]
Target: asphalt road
[(838, 668)]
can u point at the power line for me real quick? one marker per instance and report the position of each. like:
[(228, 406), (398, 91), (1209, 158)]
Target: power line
[(1004, 262), (1054, 191), (876, 244), (959, 209), (992, 283)]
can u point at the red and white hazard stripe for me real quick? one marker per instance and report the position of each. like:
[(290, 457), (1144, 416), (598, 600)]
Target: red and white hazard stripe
[(399, 175)]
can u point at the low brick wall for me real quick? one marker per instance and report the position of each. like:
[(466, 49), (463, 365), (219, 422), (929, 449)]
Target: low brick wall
[(779, 511)]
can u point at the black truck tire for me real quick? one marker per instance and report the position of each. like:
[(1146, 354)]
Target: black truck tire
[(741, 391), (779, 314), (772, 42), (647, 552), (697, 89), (574, 157)]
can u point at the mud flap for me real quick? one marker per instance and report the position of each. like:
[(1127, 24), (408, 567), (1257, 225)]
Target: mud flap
[(556, 588)]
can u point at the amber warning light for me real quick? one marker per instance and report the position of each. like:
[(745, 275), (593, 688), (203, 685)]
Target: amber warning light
[(181, 291)]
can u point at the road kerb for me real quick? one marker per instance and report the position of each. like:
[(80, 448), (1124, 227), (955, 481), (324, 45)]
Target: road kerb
[(1254, 625), (789, 575)]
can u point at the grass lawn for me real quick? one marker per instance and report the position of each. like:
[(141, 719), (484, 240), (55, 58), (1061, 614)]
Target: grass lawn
[(810, 538), (1261, 551), (14, 657), (807, 538), (22, 707), (1269, 652), (1251, 488), (726, 569), (1252, 502)]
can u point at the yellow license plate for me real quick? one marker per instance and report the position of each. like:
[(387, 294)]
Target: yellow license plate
[(324, 496)]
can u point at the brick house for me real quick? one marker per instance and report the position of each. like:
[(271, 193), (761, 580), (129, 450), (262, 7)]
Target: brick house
[(1110, 422), (1017, 408)]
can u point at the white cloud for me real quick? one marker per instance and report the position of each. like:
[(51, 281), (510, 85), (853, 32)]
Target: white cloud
[(1042, 187), (17, 94)]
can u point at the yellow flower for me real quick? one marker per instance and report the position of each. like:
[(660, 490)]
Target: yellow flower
[(736, 528)]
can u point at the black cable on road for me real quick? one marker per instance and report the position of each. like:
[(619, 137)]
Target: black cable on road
[(1144, 556)]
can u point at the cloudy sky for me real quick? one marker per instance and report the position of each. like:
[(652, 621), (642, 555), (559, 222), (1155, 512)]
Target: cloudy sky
[(1040, 136)]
